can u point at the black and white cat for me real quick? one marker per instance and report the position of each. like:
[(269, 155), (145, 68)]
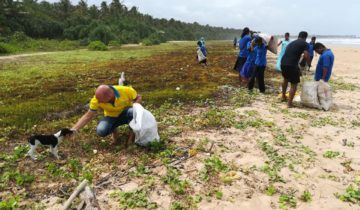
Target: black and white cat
[(51, 140)]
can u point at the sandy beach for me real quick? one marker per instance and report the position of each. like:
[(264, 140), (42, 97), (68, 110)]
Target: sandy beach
[(310, 133)]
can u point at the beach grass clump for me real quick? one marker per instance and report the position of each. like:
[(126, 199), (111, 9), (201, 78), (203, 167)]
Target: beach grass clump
[(287, 200), (351, 195), (331, 154)]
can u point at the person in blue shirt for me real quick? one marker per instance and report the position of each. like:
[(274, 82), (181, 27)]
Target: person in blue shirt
[(325, 63), (311, 53), (243, 53), (283, 44), (201, 53), (260, 50), (249, 65)]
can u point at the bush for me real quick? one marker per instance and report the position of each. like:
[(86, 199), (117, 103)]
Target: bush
[(19, 37), (101, 33), (115, 43), (97, 45), (6, 48), (149, 42), (68, 45)]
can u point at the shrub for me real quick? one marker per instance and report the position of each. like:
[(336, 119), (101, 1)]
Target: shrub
[(6, 48), (97, 45), (68, 45), (19, 36)]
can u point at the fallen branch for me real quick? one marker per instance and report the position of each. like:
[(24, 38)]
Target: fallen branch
[(78, 189)]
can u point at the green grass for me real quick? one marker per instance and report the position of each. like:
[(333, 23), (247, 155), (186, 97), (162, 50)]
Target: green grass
[(331, 154), (351, 195)]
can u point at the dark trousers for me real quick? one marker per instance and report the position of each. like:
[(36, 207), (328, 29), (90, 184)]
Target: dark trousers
[(258, 73), (239, 63)]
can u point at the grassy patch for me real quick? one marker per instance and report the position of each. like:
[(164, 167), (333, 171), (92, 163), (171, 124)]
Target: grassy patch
[(287, 200), (352, 195), (331, 154), (306, 196)]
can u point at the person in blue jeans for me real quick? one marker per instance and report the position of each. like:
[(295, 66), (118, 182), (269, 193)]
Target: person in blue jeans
[(260, 50), (244, 52), (116, 102), (325, 64)]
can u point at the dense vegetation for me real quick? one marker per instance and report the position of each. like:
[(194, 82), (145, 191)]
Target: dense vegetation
[(112, 23)]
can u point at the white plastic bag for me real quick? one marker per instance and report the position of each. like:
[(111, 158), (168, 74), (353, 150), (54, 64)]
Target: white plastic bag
[(200, 55), (325, 95), (271, 42), (143, 125), (309, 94)]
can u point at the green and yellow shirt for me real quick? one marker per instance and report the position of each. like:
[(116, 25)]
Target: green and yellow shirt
[(124, 97)]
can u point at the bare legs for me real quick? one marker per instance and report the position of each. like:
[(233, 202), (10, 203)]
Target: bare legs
[(292, 92)]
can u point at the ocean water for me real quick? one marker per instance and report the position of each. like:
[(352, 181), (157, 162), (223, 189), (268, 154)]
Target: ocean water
[(346, 42)]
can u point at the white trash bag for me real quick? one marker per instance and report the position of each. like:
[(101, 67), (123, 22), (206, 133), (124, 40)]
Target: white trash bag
[(271, 41), (200, 55), (309, 94), (143, 125), (325, 95)]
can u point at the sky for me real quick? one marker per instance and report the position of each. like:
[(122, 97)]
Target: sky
[(317, 17)]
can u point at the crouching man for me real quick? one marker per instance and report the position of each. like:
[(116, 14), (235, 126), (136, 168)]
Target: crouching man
[(116, 102)]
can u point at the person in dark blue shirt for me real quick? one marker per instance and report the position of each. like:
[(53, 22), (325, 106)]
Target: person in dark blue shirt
[(243, 53), (249, 66), (260, 50), (311, 53), (201, 53), (325, 63)]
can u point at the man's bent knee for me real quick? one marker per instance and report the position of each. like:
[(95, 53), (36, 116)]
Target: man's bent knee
[(102, 131)]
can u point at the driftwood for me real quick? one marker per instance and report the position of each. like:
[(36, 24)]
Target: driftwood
[(86, 195)]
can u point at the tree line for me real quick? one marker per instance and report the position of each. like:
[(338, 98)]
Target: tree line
[(112, 22)]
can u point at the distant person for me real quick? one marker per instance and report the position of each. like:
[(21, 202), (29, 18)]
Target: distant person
[(243, 53), (260, 50), (201, 53), (290, 65), (283, 44), (325, 63), (249, 65), (311, 54), (235, 42), (116, 102)]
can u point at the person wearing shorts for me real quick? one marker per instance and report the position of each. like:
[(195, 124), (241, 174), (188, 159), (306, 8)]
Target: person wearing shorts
[(290, 65)]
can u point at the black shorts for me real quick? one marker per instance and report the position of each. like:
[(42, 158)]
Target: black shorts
[(291, 73)]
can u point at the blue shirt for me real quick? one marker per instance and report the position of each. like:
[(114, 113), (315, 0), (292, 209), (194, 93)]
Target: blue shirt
[(260, 51), (326, 60), (311, 49), (203, 50), (251, 57), (244, 52)]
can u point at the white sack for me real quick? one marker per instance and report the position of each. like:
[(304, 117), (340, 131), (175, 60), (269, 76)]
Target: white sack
[(325, 95), (271, 41), (309, 94), (143, 125)]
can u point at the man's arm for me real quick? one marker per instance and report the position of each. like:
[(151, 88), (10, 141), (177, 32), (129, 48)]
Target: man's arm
[(87, 117), (307, 57), (325, 70)]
